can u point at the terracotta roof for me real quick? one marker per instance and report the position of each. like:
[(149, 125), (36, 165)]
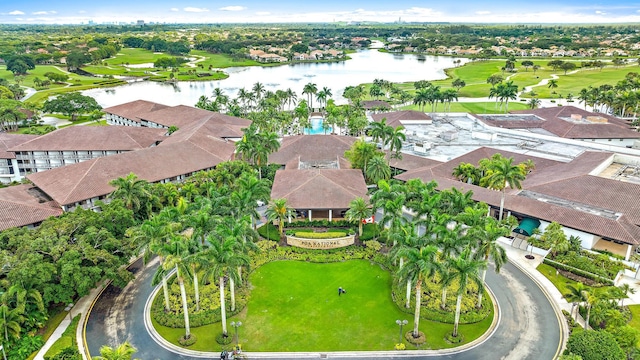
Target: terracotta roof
[(312, 148), (202, 132), (395, 118), (22, 205), (568, 182), (132, 109), (473, 157), (94, 138), (319, 188), (74, 183), (8, 141), (557, 120), (409, 162), (182, 116)]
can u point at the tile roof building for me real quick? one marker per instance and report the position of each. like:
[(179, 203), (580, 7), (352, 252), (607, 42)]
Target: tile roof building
[(567, 122), (317, 180), (9, 170), (403, 118), (602, 210), (148, 114), (25, 205)]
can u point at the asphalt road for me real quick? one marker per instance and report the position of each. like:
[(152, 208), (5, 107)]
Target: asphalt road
[(528, 327)]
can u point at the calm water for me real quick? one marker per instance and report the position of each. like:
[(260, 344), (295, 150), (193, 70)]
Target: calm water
[(316, 127), (364, 67)]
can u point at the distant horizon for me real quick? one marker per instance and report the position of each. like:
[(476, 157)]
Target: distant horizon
[(74, 12)]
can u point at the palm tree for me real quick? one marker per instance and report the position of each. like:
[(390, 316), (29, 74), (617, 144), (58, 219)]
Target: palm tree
[(465, 269), (406, 238), (123, 351), (358, 210), (508, 92), (258, 90), (239, 230), (466, 172), (421, 98), (310, 89), (552, 84), (488, 247), (223, 261), (420, 265), (279, 210), (396, 137), (534, 103), (149, 238), (503, 172), (11, 320), (577, 294), (377, 169), (177, 260), (256, 190), (292, 97), (135, 194), (380, 131), (624, 290)]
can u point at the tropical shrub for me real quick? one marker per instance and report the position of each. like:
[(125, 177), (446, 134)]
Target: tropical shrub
[(370, 232), (269, 231), (209, 305), (320, 235), (594, 345), (223, 339), (188, 342)]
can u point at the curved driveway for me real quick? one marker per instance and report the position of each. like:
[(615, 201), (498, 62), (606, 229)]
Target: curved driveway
[(528, 327)]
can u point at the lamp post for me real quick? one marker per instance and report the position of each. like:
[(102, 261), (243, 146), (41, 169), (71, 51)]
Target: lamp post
[(401, 323), (236, 325)]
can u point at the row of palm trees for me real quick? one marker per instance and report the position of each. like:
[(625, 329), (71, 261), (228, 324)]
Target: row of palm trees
[(204, 238), (432, 94), (622, 99), (503, 92), (449, 240)]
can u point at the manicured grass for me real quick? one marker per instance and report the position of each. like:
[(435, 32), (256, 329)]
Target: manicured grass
[(67, 339), (294, 306), (635, 316), (471, 107), (562, 283), (134, 56)]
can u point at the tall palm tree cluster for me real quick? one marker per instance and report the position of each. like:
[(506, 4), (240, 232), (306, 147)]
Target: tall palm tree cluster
[(204, 238), (446, 245), (621, 99), (496, 173), (429, 94), (503, 92), (256, 146)]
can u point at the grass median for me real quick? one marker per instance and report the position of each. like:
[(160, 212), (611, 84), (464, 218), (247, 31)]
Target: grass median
[(295, 306)]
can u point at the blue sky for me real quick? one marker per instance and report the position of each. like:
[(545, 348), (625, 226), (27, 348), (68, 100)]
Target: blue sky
[(225, 11)]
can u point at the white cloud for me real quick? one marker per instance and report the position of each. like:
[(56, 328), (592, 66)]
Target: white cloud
[(483, 12), (598, 12), (174, 9), (195, 9), (52, 12), (232, 8), (263, 13), (16, 12), (82, 12)]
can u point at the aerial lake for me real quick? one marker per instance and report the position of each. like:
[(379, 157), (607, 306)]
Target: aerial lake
[(363, 67)]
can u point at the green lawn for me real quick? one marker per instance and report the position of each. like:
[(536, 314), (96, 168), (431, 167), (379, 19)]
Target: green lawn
[(294, 306), (472, 107), (67, 339), (134, 56)]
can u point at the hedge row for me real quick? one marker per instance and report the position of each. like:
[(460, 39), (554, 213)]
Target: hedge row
[(269, 231), (320, 235), (586, 274)]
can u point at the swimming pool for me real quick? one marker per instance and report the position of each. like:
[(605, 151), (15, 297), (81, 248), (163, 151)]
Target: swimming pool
[(316, 127)]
